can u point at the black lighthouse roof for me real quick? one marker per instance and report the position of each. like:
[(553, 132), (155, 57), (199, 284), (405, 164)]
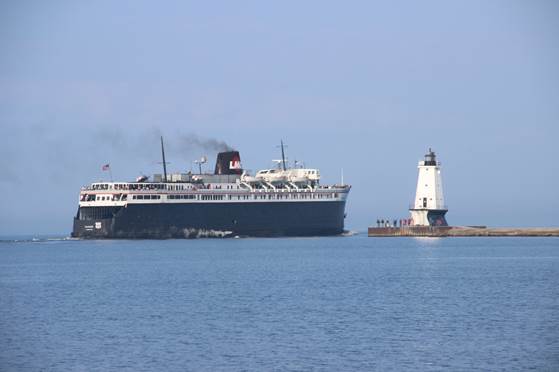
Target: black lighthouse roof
[(430, 158)]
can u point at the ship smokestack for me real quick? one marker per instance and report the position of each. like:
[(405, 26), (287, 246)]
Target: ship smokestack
[(228, 162)]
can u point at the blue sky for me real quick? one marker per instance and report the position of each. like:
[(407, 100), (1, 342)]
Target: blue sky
[(364, 86)]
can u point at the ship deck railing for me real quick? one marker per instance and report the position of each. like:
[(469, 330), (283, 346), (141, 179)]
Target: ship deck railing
[(149, 187)]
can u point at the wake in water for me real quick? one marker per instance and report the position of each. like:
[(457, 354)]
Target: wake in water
[(37, 239), (349, 233), (202, 233), (187, 234)]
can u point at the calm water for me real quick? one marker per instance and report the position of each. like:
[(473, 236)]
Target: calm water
[(344, 303)]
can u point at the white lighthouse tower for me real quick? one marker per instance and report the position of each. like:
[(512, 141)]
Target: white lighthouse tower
[(428, 208)]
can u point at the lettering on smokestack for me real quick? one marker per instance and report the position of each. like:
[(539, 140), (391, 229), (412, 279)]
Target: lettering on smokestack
[(228, 162)]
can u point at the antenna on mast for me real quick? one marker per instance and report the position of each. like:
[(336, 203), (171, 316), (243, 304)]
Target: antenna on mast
[(201, 161), (164, 163)]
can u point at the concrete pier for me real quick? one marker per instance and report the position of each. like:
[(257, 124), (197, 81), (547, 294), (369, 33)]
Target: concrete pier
[(456, 231)]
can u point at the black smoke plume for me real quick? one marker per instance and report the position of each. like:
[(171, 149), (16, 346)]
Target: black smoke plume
[(192, 141)]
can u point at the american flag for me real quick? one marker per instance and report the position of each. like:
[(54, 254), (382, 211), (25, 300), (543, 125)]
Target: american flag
[(105, 167)]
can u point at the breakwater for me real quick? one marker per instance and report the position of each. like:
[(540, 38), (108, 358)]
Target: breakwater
[(457, 231)]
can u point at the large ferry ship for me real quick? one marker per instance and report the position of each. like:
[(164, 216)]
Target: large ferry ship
[(284, 201)]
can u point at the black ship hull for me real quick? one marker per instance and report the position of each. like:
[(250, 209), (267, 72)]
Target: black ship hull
[(187, 220)]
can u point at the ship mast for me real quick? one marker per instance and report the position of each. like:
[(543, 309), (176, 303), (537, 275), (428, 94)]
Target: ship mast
[(282, 155), (164, 163)]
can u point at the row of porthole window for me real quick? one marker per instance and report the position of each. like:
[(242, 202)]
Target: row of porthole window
[(146, 197), (213, 197), (176, 197)]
